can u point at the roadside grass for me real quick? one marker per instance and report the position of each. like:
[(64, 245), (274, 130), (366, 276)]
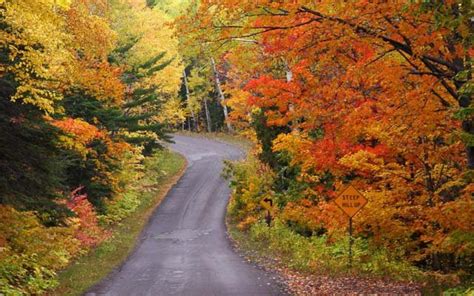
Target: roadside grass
[(315, 256), (162, 171)]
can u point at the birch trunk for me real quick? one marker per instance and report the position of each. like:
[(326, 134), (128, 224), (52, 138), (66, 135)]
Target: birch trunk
[(188, 99), (289, 77), (221, 95), (208, 117)]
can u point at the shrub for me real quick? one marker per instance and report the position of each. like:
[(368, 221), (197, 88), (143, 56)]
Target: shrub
[(30, 253), (136, 181), (87, 229), (251, 182)]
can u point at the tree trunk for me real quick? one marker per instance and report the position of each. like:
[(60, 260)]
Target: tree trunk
[(188, 99), (208, 117), (289, 74), (289, 77), (221, 95), (468, 128), (470, 149), (196, 124)]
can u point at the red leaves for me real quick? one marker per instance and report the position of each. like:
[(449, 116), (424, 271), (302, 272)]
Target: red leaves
[(371, 101), (88, 231), (365, 52), (378, 150), (270, 92)]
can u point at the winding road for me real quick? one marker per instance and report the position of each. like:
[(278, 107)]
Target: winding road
[(184, 249)]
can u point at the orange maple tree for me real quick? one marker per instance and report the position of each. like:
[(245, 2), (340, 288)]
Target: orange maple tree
[(377, 93)]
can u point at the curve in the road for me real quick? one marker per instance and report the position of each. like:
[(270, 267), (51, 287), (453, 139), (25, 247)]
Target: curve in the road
[(184, 249)]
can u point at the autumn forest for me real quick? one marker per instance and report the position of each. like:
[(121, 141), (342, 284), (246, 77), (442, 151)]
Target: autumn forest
[(320, 95)]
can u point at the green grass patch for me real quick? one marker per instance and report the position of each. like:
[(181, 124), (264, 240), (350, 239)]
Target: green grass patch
[(161, 172)]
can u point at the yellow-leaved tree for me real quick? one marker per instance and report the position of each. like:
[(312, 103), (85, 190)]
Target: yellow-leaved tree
[(150, 51), (40, 74)]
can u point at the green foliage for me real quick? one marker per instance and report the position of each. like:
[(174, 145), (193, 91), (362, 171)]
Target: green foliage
[(127, 202), (251, 182), (136, 119), (216, 114), (265, 136), (97, 169), (141, 176), (94, 171), (30, 160), (151, 3), (120, 121), (467, 139), (464, 113), (465, 291), (30, 253), (172, 8), (151, 62)]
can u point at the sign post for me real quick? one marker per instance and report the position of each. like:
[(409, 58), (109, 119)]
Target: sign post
[(350, 201), (268, 204), (350, 242)]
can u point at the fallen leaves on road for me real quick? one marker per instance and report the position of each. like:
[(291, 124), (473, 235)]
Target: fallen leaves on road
[(300, 284)]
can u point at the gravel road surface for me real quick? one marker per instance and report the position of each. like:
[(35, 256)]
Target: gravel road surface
[(184, 250)]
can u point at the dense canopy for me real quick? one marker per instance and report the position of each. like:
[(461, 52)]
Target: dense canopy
[(376, 94)]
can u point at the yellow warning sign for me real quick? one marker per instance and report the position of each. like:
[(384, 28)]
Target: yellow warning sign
[(351, 201)]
